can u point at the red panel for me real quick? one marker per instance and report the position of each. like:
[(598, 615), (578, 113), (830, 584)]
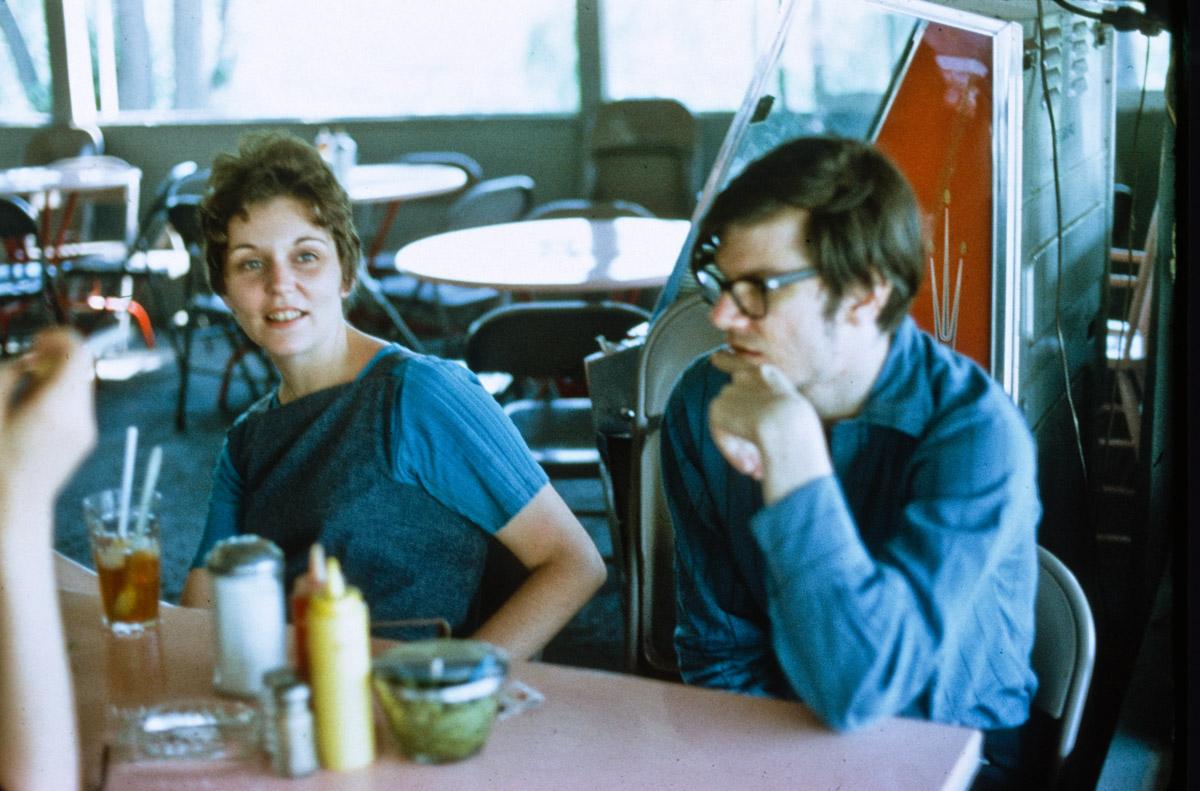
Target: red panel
[(939, 132)]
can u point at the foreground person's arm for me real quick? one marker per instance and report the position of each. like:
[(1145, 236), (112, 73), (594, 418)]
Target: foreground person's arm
[(565, 570), (44, 435)]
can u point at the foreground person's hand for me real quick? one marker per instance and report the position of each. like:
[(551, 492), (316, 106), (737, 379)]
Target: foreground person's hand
[(765, 428), (47, 416)]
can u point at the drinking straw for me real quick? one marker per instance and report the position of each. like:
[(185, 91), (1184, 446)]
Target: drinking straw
[(131, 439), (148, 484)]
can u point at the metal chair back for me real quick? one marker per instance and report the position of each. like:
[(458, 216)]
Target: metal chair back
[(1064, 650), (53, 143), (588, 209), (546, 339), (645, 151), (467, 164), (680, 335), (491, 201), (154, 219)]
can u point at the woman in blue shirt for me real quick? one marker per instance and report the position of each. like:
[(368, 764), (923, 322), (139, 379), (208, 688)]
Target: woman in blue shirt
[(398, 463)]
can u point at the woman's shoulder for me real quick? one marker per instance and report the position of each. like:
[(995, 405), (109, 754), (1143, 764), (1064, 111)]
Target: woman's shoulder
[(424, 371), (439, 387)]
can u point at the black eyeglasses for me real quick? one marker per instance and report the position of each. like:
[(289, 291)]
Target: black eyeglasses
[(749, 293)]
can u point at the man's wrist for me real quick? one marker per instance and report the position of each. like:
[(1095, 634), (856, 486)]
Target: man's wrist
[(793, 453)]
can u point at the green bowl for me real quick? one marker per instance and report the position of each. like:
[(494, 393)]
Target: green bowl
[(440, 696)]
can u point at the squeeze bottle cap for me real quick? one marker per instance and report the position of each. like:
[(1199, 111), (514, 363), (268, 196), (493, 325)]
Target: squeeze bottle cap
[(316, 564), (335, 583)]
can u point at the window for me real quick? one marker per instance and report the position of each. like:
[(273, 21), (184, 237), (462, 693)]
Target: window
[(700, 52), (709, 56), (825, 69), (357, 58), (24, 62)]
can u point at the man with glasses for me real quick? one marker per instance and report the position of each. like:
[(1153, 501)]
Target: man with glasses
[(855, 505)]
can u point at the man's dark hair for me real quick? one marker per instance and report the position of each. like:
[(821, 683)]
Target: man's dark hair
[(270, 165), (863, 219)]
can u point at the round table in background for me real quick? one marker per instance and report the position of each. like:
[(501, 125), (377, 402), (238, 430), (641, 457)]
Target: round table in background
[(547, 256), (391, 182)]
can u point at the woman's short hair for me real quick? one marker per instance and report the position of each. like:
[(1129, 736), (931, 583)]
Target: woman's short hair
[(863, 219), (270, 165)]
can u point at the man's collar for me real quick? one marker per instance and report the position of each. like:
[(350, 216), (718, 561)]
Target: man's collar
[(899, 398)]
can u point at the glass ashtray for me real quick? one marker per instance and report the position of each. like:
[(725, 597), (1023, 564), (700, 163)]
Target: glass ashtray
[(186, 729)]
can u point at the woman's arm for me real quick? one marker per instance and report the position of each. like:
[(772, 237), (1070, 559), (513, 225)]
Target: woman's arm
[(224, 515), (455, 441), (565, 570), (47, 426), (197, 589)]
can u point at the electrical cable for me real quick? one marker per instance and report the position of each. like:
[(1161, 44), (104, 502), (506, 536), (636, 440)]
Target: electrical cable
[(1074, 9), (1122, 18), (1104, 606), (1062, 344)]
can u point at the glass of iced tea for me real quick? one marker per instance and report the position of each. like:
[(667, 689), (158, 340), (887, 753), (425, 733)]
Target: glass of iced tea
[(128, 563)]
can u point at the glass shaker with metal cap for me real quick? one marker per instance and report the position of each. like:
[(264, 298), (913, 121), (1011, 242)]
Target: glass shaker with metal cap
[(247, 579), (295, 746)]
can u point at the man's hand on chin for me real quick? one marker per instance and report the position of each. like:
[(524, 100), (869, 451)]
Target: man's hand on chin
[(765, 428)]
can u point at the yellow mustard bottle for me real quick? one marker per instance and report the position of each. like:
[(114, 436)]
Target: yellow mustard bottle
[(340, 665)]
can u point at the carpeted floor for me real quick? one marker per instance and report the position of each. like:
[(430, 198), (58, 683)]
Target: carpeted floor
[(147, 400)]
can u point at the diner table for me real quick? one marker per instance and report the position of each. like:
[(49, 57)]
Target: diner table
[(564, 255), (595, 729), (57, 189)]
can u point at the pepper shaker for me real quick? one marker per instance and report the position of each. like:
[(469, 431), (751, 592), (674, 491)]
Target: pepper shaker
[(295, 747), (247, 575), (274, 681)]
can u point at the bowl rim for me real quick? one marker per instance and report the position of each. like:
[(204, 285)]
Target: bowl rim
[(452, 693)]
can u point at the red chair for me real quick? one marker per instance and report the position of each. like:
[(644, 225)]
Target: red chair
[(25, 281)]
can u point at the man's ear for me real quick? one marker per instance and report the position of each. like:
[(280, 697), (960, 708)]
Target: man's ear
[(863, 305)]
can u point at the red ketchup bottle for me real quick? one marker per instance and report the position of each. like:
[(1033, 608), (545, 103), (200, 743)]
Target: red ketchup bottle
[(306, 585)]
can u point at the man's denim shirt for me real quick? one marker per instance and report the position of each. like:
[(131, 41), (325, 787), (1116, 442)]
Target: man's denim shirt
[(902, 585)]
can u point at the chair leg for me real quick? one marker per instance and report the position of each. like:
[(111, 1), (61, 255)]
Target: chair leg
[(371, 286), (183, 358), (238, 360), (142, 318)]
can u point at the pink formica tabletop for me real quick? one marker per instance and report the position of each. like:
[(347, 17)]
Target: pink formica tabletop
[(596, 730), (545, 256)]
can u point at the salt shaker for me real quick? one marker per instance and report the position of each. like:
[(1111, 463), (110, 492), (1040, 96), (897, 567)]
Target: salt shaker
[(247, 576), (295, 748)]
